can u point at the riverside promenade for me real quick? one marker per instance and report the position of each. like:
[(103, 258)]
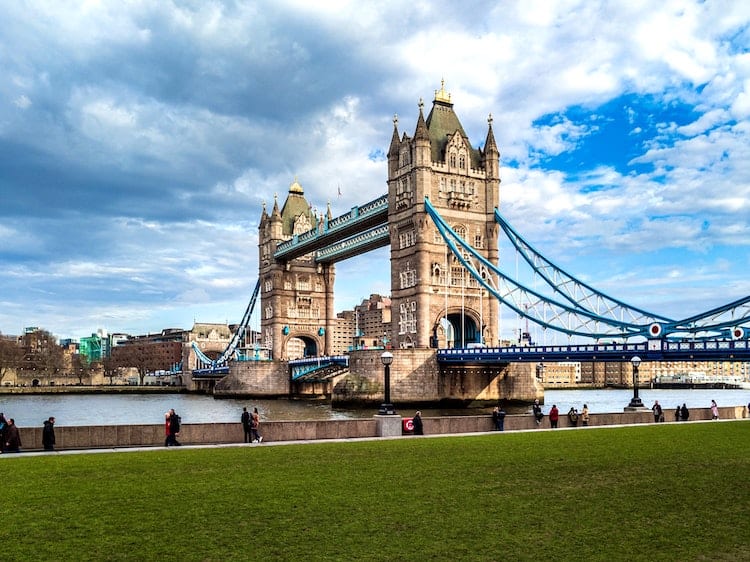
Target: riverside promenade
[(124, 437)]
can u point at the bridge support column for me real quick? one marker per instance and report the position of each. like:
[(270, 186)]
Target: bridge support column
[(388, 426)]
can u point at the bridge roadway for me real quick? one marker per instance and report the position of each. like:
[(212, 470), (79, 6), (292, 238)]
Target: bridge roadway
[(651, 350), (358, 221)]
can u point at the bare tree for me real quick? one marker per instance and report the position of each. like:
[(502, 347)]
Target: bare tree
[(10, 356), (42, 355)]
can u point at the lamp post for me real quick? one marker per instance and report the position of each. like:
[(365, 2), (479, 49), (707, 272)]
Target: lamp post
[(386, 408), (635, 402)]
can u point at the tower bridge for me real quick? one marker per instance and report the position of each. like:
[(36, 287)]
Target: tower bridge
[(441, 220)]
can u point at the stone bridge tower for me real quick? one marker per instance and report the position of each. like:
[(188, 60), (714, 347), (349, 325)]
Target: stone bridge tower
[(296, 296), (435, 302)]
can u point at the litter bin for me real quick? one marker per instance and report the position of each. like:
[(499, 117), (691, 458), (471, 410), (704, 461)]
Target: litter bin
[(407, 426)]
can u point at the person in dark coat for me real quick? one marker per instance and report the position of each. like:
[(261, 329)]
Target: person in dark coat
[(48, 434), (173, 425), (417, 421), (537, 411), (245, 419), (3, 425), (12, 437), (684, 414)]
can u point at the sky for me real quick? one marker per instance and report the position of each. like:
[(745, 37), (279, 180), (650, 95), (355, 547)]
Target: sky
[(140, 139)]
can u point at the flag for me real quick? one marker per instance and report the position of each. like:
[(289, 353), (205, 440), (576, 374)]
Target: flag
[(339, 191)]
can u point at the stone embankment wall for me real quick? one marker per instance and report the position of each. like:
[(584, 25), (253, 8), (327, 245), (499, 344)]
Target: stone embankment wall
[(123, 436), (269, 379), (416, 378)]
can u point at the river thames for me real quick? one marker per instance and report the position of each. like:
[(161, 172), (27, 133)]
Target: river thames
[(124, 409)]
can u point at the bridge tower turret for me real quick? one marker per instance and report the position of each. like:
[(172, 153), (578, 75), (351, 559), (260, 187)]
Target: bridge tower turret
[(435, 303), (296, 306)]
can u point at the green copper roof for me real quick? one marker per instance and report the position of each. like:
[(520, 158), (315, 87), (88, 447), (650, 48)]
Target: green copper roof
[(294, 206), (442, 123)]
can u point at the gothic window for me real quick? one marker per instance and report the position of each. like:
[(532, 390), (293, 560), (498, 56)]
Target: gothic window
[(303, 283), (408, 277), (460, 230), (478, 241), (318, 286), (407, 238), (453, 185), (269, 312), (442, 185), (301, 224), (268, 285), (470, 190), (462, 161), (287, 284), (268, 338), (457, 275), (452, 160), (407, 318)]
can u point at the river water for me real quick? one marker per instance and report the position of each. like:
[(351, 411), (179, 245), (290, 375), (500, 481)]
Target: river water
[(124, 409)]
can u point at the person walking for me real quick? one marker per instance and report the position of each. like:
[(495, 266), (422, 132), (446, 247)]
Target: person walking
[(656, 409), (714, 410), (573, 417), (417, 421), (684, 413), (246, 424), (12, 438), (48, 434), (255, 427), (677, 413), (173, 429), (585, 415), (554, 415)]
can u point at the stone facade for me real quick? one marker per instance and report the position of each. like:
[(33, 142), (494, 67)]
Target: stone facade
[(296, 297), (435, 302)]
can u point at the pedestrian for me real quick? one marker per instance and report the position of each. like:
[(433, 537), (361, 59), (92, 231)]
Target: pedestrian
[(656, 409), (537, 411), (554, 415), (3, 425), (255, 427), (417, 421), (12, 437), (573, 417), (677, 413), (48, 434), (585, 415), (501, 418), (246, 424), (172, 428), (714, 410), (684, 414)]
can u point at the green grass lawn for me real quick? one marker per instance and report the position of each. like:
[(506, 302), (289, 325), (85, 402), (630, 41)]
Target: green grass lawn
[(656, 492)]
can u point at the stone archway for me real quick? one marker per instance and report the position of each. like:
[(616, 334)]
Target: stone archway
[(300, 346), (459, 329)]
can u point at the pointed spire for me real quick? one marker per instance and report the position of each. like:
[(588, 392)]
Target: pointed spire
[(421, 132), (329, 215), (393, 150), (275, 213), (489, 143)]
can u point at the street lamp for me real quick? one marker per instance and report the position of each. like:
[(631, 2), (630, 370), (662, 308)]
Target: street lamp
[(386, 408), (635, 402)]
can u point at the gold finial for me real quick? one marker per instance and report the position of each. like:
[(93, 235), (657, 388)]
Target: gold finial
[(441, 94), (489, 120), (295, 187), (395, 120), (421, 104)]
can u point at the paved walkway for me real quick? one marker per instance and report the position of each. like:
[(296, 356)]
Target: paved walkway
[(37, 453)]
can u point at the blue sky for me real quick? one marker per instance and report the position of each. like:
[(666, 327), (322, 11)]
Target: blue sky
[(139, 140)]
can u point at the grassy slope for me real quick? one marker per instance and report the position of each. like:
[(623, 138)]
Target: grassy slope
[(666, 492)]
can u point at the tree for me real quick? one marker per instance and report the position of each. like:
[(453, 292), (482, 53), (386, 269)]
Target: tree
[(10, 356), (110, 367), (42, 355), (80, 367)]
